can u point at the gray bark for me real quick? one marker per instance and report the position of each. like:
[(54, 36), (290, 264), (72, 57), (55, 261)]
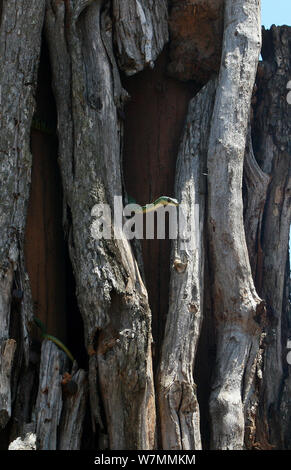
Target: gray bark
[(110, 291), (179, 409), (235, 301), (20, 39), (256, 182), (49, 399), (73, 412), (140, 32), (7, 352), (272, 129)]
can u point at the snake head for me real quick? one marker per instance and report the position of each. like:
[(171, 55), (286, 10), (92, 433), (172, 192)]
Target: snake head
[(166, 200)]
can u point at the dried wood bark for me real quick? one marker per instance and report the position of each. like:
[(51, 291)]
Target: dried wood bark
[(140, 32), (272, 136), (7, 352), (20, 38), (60, 405), (235, 301), (49, 401), (178, 405), (110, 291), (73, 412)]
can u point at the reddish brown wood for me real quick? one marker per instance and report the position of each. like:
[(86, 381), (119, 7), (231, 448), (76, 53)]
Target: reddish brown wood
[(44, 246), (154, 121)]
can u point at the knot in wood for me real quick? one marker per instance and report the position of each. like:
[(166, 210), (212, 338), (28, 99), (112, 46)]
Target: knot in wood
[(179, 266)]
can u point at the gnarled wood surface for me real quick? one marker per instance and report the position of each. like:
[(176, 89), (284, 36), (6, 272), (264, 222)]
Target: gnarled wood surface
[(178, 405), (235, 301), (20, 39), (272, 134), (140, 32), (110, 291)]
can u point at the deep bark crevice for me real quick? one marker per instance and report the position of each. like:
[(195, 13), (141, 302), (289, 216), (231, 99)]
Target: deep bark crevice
[(205, 364), (154, 119), (45, 227)]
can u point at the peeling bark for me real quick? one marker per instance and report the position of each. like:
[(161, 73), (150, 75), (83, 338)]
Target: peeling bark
[(73, 412)]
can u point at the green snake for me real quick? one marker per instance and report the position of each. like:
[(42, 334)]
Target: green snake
[(160, 202), (55, 340)]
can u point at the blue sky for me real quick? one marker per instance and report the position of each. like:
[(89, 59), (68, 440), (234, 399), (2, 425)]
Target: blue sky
[(276, 12)]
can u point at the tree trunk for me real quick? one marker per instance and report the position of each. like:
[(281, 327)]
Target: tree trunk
[(177, 343), (20, 39)]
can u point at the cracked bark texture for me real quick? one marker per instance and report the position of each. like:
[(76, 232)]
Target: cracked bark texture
[(232, 179), (178, 404), (140, 32), (272, 136), (110, 291), (20, 40), (235, 300)]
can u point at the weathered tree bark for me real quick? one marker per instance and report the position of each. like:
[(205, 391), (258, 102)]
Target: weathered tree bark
[(20, 39), (272, 131), (235, 301), (179, 409), (230, 275), (49, 398), (111, 294), (7, 355)]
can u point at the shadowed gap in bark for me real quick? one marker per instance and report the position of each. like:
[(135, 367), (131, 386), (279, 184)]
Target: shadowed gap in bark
[(154, 120), (47, 258), (205, 360)]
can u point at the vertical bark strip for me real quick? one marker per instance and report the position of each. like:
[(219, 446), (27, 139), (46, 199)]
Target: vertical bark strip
[(140, 32), (178, 405), (256, 182), (236, 303), (20, 38), (7, 352), (73, 412), (49, 399), (111, 295), (272, 133)]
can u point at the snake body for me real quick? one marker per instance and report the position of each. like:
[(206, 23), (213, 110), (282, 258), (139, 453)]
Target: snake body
[(55, 340), (160, 202)]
